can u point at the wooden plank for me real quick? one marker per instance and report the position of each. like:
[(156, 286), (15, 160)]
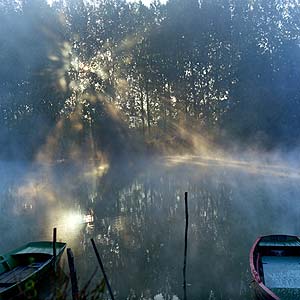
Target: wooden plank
[(10, 275), (17, 274)]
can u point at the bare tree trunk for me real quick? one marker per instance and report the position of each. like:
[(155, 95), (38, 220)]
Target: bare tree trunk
[(165, 116), (195, 100), (142, 110), (148, 108), (169, 103)]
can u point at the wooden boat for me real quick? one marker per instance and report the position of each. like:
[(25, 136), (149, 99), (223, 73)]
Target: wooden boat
[(275, 267), (21, 268)]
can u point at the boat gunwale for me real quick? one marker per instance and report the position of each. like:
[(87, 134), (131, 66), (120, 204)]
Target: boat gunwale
[(62, 245)]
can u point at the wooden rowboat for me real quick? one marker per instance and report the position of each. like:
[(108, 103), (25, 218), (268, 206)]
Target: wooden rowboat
[(21, 268), (275, 267)]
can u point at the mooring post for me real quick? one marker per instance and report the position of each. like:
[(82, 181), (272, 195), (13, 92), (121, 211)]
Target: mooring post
[(73, 276), (54, 249), (185, 243), (103, 271)]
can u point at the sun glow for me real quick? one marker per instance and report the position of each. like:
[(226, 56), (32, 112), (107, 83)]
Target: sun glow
[(97, 171), (73, 220), (251, 167)]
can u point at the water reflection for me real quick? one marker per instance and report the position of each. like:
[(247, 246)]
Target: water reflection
[(136, 216)]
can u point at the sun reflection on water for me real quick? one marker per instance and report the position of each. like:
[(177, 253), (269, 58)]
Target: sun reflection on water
[(73, 220)]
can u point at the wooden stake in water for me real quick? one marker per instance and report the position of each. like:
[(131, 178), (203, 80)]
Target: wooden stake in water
[(185, 243), (54, 249), (73, 276), (103, 271)]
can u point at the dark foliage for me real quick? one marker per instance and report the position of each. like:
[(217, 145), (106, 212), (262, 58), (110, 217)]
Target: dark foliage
[(108, 75)]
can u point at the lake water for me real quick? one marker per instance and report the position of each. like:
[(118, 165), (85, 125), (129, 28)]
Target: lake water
[(135, 213)]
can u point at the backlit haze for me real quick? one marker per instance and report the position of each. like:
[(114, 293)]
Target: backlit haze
[(109, 113)]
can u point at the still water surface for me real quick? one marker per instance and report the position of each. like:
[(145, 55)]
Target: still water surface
[(136, 215)]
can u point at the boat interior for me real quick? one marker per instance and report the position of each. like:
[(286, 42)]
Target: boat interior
[(279, 268), (16, 267)]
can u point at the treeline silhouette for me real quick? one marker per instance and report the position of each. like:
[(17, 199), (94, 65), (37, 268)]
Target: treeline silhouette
[(109, 75)]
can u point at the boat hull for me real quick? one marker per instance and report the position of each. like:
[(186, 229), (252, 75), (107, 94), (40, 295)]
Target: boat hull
[(260, 293), (22, 268)]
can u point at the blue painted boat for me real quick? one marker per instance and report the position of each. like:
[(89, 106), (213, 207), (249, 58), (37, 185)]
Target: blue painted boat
[(23, 267)]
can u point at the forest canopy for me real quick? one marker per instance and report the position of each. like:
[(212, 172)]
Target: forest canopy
[(108, 74)]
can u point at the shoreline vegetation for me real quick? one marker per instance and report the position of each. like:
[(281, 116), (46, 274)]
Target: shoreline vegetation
[(106, 79)]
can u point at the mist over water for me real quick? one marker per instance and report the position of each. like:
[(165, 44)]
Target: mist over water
[(139, 221), (89, 87)]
